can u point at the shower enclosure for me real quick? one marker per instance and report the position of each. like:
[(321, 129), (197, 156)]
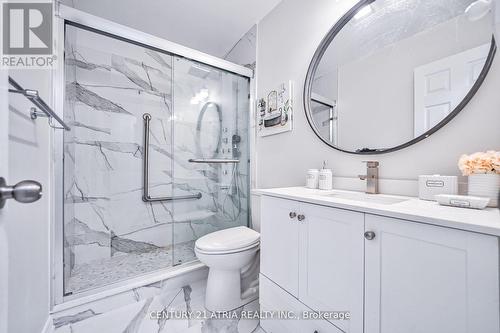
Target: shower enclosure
[(157, 156)]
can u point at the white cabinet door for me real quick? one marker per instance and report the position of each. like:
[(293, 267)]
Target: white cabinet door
[(426, 279), (279, 243), (331, 263)]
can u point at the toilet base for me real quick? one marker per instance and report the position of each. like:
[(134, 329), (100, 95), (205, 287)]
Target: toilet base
[(225, 275), (223, 290)]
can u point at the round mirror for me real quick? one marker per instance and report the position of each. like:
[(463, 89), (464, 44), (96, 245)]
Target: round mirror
[(209, 131), (392, 72)]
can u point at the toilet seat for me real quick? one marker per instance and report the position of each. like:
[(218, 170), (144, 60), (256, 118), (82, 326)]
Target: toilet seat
[(228, 241), (256, 244)]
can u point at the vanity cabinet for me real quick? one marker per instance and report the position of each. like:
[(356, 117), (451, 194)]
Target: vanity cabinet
[(392, 275), (316, 254), (423, 278)]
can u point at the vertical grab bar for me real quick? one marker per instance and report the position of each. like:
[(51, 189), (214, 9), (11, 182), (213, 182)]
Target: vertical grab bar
[(146, 197)]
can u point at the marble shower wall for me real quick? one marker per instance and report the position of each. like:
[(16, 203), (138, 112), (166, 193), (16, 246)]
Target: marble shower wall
[(244, 51), (110, 234)]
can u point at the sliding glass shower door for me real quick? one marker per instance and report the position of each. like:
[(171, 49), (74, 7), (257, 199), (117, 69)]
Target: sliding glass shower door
[(211, 152), (195, 113)]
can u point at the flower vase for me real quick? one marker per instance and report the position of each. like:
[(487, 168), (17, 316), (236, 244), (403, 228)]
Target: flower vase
[(485, 185)]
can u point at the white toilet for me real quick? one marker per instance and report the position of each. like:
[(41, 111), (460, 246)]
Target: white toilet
[(231, 256)]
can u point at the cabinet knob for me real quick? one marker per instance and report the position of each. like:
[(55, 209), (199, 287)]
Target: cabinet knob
[(301, 217), (369, 235), (292, 215)]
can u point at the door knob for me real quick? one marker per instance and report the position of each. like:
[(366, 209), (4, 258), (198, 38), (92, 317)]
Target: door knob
[(292, 215), (369, 235), (301, 217), (26, 191)]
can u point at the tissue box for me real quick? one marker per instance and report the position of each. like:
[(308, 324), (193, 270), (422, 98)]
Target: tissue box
[(430, 185)]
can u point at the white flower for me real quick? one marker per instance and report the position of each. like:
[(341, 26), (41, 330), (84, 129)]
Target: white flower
[(480, 162)]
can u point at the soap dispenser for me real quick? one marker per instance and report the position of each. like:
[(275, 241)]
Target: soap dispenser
[(325, 178)]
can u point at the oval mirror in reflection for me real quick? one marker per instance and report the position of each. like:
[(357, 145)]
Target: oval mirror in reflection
[(209, 131), (392, 72)]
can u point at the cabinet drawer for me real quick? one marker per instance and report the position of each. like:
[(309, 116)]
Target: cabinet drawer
[(274, 299)]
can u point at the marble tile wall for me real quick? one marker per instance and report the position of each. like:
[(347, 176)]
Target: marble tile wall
[(244, 51), (110, 234)]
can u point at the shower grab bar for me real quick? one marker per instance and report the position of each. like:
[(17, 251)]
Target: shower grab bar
[(212, 160), (33, 96), (146, 197)]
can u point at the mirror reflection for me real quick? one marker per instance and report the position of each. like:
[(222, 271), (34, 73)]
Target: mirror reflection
[(209, 122), (397, 69)]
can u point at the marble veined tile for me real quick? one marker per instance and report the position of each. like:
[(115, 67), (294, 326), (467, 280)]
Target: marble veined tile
[(111, 234)]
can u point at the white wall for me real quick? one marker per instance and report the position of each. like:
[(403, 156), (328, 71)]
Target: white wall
[(298, 26)]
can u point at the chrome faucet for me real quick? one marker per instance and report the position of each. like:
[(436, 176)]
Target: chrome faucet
[(371, 177)]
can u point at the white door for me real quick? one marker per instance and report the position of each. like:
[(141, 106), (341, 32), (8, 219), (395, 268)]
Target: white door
[(427, 279), (24, 228), (4, 255), (279, 260), (441, 85), (331, 263)]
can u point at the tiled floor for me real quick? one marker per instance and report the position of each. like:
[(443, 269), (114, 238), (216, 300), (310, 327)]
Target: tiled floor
[(259, 330)]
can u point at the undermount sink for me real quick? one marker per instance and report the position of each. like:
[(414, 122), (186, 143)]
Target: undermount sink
[(374, 198)]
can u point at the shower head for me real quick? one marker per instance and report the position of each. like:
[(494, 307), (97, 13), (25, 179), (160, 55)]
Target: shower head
[(477, 10)]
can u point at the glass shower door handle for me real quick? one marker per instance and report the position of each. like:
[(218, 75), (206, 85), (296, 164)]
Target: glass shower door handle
[(146, 197)]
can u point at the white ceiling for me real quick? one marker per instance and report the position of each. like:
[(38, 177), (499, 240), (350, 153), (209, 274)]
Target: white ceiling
[(210, 26)]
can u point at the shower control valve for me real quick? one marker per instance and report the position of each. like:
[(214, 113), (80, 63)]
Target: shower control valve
[(292, 215)]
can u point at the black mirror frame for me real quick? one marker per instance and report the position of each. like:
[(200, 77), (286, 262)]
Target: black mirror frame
[(323, 46)]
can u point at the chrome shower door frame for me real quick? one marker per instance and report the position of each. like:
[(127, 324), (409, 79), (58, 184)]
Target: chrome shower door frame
[(63, 16)]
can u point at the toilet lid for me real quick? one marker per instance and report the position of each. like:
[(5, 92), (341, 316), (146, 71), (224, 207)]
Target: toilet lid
[(228, 240)]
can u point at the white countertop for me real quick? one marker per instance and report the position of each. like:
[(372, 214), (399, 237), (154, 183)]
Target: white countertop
[(485, 221)]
